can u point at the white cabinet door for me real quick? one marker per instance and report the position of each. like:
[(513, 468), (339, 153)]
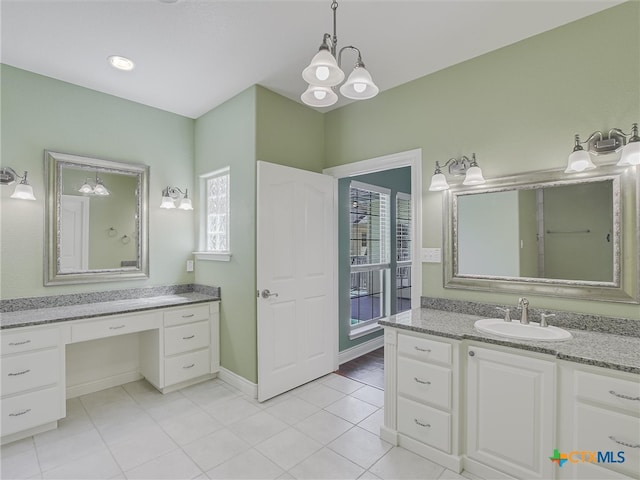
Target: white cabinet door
[(510, 412)]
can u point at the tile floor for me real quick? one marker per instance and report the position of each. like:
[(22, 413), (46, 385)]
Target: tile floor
[(367, 369), (324, 429)]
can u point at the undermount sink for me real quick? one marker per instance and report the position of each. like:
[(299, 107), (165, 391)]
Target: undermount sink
[(516, 330)]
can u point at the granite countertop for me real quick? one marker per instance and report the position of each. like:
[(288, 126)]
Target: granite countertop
[(591, 348), (24, 318)]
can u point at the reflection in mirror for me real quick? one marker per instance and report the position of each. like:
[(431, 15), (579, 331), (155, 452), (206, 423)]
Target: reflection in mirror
[(546, 233), (97, 217), (562, 232)]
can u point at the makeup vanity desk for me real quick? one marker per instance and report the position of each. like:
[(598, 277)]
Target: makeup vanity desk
[(51, 354)]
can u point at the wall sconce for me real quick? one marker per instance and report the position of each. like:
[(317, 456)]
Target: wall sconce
[(23, 190), (457, 167), (97, 189), (171, 194), (598, 144)]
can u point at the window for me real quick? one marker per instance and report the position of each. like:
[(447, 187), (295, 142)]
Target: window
[(403, 252), (214, 222), (370, 253)]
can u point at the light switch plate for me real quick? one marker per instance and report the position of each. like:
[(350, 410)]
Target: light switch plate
[(431, 255), (189, 265)]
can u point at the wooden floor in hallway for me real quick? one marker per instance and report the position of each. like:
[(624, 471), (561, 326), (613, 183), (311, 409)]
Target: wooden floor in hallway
[(368, 369)]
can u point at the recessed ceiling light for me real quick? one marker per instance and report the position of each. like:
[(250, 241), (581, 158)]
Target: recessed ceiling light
[(121, 63)]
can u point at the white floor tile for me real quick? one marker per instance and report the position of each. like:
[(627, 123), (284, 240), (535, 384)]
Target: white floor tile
[(184, 429), (373, 422), (450, 475), (76, 421), (216, 448), (96, 465), (259, 427), (320, 395), (323, 426), (232, 410), (351, 409), (368, 476), (123, 424), (172, 466), (141, 446), (206, 393), (343, 384), (399, 463), (361, 447), (292, 410), (248, 465), (65, 450), (109, 396), (20, 464), (288, 448), (371, 395), (326, 464), (19, 446), (170, 407)]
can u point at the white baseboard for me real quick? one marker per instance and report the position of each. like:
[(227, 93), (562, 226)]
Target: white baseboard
[(236, 381), (359, 350), (97, 385)]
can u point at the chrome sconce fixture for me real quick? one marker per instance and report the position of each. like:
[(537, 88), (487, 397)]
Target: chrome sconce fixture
[(457, 167), (600, 144), (324, 73), (171, 194), (23, 190)]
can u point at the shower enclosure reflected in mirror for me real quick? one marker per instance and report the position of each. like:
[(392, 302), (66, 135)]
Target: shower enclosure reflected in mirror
[(96, 220)]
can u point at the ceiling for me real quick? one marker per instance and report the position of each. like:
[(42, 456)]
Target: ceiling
[(192, 55)]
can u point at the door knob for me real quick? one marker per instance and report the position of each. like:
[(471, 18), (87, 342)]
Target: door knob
[(266, 293)]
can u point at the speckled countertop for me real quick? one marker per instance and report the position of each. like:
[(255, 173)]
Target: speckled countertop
[(24, 318), (591, 348)]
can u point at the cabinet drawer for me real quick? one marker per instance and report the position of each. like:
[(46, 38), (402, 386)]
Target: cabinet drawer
[(186, 315), (30, 370), (184, 338), (184, 367), (30, 410), (598, 429), (612, 392), (25, 340), (110, 327), (424, 382), (424, 349), (425, 424)]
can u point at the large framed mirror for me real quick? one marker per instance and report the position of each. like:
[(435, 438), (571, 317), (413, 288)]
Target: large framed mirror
[(97, 220), (546, 233)]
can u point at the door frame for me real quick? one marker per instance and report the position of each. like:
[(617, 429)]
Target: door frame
[(409, 158)]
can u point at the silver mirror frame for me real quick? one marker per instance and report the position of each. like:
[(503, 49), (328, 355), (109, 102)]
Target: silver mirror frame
[(624, 288), (54, 162)]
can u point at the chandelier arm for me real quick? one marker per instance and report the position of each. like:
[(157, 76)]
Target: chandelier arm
[(591, 137), (359, 62), (619, 132)]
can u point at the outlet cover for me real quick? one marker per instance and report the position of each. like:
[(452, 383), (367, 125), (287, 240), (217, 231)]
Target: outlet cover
[(431, 255), (189, 265)]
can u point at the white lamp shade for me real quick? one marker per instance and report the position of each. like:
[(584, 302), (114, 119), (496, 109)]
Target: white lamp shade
[(323, 70), (630, 154), (23, 191), (359, 85), (579, 161), (438, 183), (473, 177), (185, 204), (317, 96), (86, 188), (167, 202), (100, 190)]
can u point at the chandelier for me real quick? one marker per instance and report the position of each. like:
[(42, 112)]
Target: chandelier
[(324, 73)]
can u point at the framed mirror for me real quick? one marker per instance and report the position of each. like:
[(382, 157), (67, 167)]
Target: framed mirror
[(97, 220), (546, 233)]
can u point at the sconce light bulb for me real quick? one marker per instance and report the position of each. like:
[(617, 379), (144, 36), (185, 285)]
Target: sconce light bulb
[(322, 73), (359, 87), (319, 94)]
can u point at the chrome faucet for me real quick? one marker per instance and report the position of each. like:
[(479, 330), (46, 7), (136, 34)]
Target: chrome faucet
[(523, 304)]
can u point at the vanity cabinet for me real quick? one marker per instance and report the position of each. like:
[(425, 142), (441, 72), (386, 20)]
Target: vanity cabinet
[(510, 414), (601, 413), (32, 380), (426, 415)]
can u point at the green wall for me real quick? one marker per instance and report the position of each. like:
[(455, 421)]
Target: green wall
[(41, 113), (517, 108)]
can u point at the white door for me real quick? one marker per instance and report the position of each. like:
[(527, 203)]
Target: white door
[(297, 323), (74, 233)]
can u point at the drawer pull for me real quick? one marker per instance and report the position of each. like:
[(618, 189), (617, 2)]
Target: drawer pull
[(626, 397), (418, 422), (188, 316), (637, 445), (423, 382), (427, 350), (189, 337), (20, 413), (189, 366), (117, 328), (20, 373), (24, 342)]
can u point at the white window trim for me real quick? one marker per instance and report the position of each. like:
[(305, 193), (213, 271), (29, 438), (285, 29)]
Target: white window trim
[(370, 188), (202, 253)]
